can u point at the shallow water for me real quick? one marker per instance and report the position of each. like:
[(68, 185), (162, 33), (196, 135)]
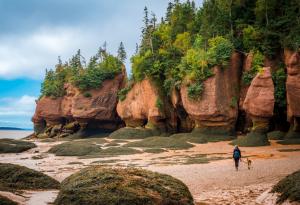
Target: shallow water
[(15, 134)]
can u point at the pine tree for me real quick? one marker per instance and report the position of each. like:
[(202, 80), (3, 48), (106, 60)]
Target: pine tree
[(121, 52)]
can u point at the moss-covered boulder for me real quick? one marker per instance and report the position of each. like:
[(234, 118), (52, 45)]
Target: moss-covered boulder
[(162, 142), (252, 139), (105, 186), (133, 133), (15, 146), (93, 147), (15, 177), (276, 135), (288, 188), (6, 201)]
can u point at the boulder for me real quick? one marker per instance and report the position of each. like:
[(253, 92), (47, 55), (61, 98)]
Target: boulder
[(126, 186), (98, 106), (141, 107), (217, 107), (292, 61)]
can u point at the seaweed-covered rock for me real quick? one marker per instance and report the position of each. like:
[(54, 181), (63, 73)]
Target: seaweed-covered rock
[(105, 186), (6, 201), (288, 188), (133, 133), (15, 146), (252, 139), (90, 147), (15, 177), (276, 135)]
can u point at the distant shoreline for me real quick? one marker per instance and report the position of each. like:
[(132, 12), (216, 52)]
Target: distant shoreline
[(15, 128)]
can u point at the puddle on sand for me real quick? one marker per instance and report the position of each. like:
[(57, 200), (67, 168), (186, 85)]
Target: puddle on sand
[(41, 197)]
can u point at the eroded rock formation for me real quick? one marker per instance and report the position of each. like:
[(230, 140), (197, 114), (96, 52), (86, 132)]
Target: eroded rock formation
[(93, 109), (259, 105), (292, 61), (217, 107), (142, 106)]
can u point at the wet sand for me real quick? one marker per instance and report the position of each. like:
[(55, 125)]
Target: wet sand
[(15, 134), (214, 183)]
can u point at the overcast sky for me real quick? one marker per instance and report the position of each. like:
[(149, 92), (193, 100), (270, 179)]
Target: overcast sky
[(33, 33)]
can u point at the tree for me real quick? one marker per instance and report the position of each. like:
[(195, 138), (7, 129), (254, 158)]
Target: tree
[(121, 52)]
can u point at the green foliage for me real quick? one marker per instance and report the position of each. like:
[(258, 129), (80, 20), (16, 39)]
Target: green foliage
[(195, 90), (219, 51), (100, 67), (279, 79), (93, 76), (251, 38), (183, 42), (123, 92), (122, 53), (159, 104), (87, 94), (234, 102), (256, 65)]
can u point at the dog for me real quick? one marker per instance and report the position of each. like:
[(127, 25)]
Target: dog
[(249, 163)]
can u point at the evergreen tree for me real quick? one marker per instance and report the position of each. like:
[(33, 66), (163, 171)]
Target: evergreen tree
[(121, 52)]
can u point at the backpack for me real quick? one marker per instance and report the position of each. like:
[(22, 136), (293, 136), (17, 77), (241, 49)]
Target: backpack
[(236, 154)]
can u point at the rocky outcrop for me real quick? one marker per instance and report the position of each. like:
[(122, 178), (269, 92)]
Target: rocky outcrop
[(259, 105), (142, 106), (89, 109), (217, 107), (292, 61), (259, 101), (48, 109), (98, 105)]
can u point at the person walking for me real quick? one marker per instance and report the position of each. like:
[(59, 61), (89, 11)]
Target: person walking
[(237, 157)]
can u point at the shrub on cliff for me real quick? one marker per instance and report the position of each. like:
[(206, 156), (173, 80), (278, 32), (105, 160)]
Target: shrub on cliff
[(101, 67), (15, 146), (122, 186), (288, 188), (15, 177), (96, 72)]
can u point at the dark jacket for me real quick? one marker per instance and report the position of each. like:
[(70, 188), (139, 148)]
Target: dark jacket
[(239, 153)]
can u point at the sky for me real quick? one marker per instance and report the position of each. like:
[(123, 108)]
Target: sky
[(33, 33)]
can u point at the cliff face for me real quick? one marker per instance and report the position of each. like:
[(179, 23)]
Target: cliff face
[(223, 100), (94, 108), (217, 107)]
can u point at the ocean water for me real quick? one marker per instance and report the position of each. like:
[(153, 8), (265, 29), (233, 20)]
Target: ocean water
[(15, 134)]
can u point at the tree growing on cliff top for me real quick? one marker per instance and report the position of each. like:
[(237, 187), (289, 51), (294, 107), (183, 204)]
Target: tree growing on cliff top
[(121, 52)]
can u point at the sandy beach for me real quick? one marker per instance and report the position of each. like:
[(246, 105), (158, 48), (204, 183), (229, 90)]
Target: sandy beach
[(216, 182)]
